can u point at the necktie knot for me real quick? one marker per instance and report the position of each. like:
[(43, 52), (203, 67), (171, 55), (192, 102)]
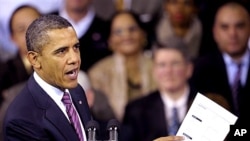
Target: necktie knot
[(66, 99)]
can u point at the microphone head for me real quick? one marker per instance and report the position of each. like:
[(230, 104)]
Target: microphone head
[(92, 124), (113, 123)]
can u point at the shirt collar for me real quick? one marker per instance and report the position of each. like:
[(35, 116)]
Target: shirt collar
[(182, 101), (229, 60), (55, 93)]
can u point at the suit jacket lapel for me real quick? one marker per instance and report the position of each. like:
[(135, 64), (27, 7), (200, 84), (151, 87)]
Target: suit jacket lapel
[(58, 119), (52, 112), (159, 122), (248, 75), (80, 102)]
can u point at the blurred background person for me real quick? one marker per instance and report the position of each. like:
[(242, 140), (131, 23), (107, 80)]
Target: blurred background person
[(98, 103), (97, 100), (206, 11), (125, 75), (180, 20), (226, 72), (149, 12), (91, 30), (152, 116), (18, 69), (6, 9)]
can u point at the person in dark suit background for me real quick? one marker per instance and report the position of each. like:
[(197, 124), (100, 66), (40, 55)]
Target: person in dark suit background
[(215, 72), (91, 30), (17, 69), (149, 117), (38, 112)]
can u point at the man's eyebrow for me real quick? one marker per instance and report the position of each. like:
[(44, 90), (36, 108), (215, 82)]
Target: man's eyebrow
[(241, 23)]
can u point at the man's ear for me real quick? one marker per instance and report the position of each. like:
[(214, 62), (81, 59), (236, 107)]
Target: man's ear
[(33, 59)]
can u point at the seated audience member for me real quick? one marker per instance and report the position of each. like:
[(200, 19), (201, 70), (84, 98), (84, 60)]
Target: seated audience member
[(161, 112), (18, 69), (227, 72), (149, 12), (125, 75), (180, 20), (91, 30)]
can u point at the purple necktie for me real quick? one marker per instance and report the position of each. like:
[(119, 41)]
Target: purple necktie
[(72, 114), (236, 87)]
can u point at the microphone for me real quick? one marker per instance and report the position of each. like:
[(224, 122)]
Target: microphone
[(113, 127), (92, 127)]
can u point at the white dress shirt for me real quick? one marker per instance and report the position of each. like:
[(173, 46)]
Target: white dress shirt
[(232, 67), (180, 104)]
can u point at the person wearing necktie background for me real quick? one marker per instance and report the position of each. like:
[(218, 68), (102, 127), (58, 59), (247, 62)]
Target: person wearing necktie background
[(219, 72), (40, 111), (161, 112)]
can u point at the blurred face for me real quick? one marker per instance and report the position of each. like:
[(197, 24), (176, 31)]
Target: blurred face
[(77, 5), (180, 11), (20, 22), (59, 61), (232, 30), (126, 37), (171, 71)]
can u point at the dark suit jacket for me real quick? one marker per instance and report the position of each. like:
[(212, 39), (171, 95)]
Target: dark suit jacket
[(93, 44), (210, 76), (33, 115), (145, 120)]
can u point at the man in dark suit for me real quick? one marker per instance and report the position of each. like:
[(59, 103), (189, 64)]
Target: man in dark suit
[(149, 117), (91, 30), (216, 72), (39, 112)]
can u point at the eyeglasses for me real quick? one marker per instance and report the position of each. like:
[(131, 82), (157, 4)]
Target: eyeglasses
[(120, 31)]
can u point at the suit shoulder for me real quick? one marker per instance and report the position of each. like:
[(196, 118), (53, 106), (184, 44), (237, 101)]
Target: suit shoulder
[(141, 102)]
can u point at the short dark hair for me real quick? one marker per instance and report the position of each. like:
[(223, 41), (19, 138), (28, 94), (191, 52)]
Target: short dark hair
[(16, 10), (37, 33), (174, 43)]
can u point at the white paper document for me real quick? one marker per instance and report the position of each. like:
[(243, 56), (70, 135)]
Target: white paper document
[(206, 121)]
